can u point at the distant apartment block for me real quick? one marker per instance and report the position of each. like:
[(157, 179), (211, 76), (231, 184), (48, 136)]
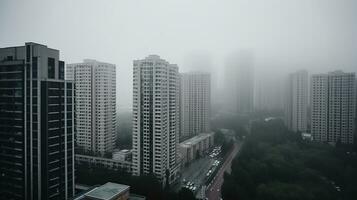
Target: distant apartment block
[(95, 84), (269, 92), (333, 111), (195, 89), (155, 118), (239, 83), (296, 105), (36, 125)]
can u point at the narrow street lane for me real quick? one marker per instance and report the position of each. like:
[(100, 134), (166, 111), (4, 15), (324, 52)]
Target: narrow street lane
[(214, 190)]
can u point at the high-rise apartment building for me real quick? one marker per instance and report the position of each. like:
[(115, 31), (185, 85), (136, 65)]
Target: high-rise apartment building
[(239, 83), (195, 103), (36, 125), (95, 105), (269, 92), (333, 111), (155, 118), (296, 106)]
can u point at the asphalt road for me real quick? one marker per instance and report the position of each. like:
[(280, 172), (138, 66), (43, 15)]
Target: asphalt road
[(214, 190), (196, 172)]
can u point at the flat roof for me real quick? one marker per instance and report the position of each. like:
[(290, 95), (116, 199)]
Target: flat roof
[(136, 197), (196, 139), (107, 191)]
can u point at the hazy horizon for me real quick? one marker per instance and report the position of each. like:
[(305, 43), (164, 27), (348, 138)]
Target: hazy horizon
[(284, 36)]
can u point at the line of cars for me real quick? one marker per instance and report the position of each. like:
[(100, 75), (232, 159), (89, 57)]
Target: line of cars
[(216, 151), (213, 168), (189, 185)]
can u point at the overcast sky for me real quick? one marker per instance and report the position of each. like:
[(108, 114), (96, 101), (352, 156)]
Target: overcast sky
[(285, 35)]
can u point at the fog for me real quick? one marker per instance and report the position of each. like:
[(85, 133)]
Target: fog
[(283, 35)]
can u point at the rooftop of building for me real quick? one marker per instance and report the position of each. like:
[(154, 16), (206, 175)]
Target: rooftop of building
[(98, 158), (196, 139), (124, 151), (153, 60), (88, 61), (136, 197), (27, 43), (340, 72), (153, 56), (107, 191), (31, 44), (227, 131), (196, 73)]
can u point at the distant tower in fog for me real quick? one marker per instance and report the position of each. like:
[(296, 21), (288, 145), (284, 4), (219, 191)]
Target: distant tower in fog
[(195, 103), (297, 101), (333, 107), (155, 118), (239, 83), (95, 84), (268, 92)]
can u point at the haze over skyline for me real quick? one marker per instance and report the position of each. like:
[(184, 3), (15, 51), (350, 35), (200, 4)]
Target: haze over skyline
[(285, 36)]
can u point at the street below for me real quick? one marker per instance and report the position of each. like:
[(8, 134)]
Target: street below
[(213, 191)]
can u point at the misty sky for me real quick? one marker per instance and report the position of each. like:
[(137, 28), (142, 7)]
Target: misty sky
[(285, 35)]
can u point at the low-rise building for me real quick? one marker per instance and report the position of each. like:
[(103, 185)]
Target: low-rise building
[(123, 155), (306, 136), (193, 147), (109, 191), (104, 162)]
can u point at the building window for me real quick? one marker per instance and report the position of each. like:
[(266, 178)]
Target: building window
[(34, 67), (28, 53), (51, 68), (61, 70)]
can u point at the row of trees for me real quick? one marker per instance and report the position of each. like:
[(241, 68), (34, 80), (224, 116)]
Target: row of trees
[(275, 164), (232, 122)]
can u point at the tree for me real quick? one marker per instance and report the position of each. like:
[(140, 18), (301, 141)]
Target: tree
[(275, 163), (219, 137), (186, 194)]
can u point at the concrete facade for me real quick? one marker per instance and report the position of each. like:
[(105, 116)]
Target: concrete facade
[(333, 107), (95, 92), (189, 149), (155, 118), (36, 126), (296, 105), (123, 155), (109, 163), (195, 109)]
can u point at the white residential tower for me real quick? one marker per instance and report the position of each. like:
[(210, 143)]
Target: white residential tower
[(155, 118), (297, 101), (333, 111), (95, 84), (195, 103)]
